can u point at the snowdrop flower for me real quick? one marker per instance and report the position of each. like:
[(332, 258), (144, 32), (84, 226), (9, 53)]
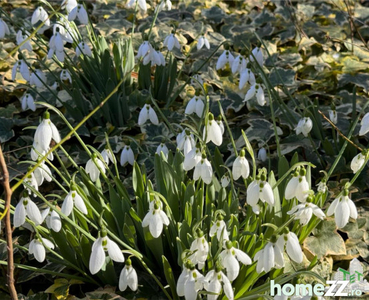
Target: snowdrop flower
[(239, 64), (293, 248), (144, 49), (322, 186), (56, 46), (94, 166), (155, 57), (192, 158), (147, 113), (298, 186), (162, 148), (357, 162), (165, 5), (4, 29), (246, 76), (40, 15), (256, 89), (259, 189), (213, 283), (200, 249), (262, 154), (26, 208), (127, 156), (30, 182), (171, 41), (42, 173), (21, 36), (108, 156), (225, 58), (195, 105), (83, 48), (258, 54), (141, 4), (155, 218), (225, 180), (185, 141), (79, 12), (21, 67), (364, 124), (240, 166), (212, 131), (343, 208), (38, 78), (99, 247), (67, 33), (46, 132), (69, 5), (229, 259), (37, 248), (203, 41), (203, 170), (65, 76), (271, 256), (220, 124), (190, 282), (220, 229), (128, 277), (28, 101), (73, 199), (305, 211), (53, 220), (36, 152), (304, 126), (333, 116)]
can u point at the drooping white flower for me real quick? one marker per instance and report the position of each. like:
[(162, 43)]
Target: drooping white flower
[(297, 187), (53, 220), (30, 182), (156, 218), (40, 15), (185, 141), (69, 5), (141, 4), (65, 76), (171, 41), (343, 208), (26, 208), (239, 64), (190, 282), (203, 170), (38, 78), (262, 154), (203, 41), (147, 113), (21, 67), (183, 277), (92, 169), (195, 105), (73, 199), (333, 116), (200, 249), (305, 211), (364, 124), (165, 5), (143, 49), (220, 124), (56, 45), (229, 259), (83, 48), (293, 248), (224, 58), (80, 13), (128, 277), (162, 148), (28, 101), (258, 54), (225, 180), (213, 283), (4, 29), (192, 158), (99, 247), (23, 35), (259, 189), (271, 256), (220, 229), (37, 248), (36, 152), (240, 166), (41, 173), (304, 126), (212, 132), (127, 156), (256, 89), (67, 32), (357, 162), (46, 132), (246, 76), (322, 186), (108, 156)]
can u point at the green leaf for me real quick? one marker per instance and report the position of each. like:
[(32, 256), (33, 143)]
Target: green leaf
[(6, 132), (168, 272)]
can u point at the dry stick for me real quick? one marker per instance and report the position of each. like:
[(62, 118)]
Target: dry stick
[(339, 132), (8, 227)]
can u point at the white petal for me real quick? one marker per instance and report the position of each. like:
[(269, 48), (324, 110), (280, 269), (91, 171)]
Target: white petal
[(333, 206), (342, 214), (19, 214), (153, 117), (293, 248), (252, 193), (55, 222), (39, 251), (268, 257), (267, 194), (353, 210), (232, 267), (114, 252), (97, 257), (80, 204), (67, 205), (143, 116), (243, 257), (123, 280), (33, 212), (156, 225), (291, 188)]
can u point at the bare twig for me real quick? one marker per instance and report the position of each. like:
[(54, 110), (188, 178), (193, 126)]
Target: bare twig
[(8, 227)]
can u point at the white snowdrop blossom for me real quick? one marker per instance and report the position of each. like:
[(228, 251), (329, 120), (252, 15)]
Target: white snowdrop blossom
[(83, 48), (80, 13), (141, 4), (213, 283), (165, 5), (229, 259), (271, 256), (364, 124), (304, 126), (192, 158), (224, 58), (38, 78), (343, 208), (156, 218), (94, 166), (304, 212), (240, 166), (41, 173), (225, 180), (144, 49), (30, 182), (108, 156), (21, 36), (292, 244), (333, 116), (99, 247), (36, 152), (69, 5), (56, 46), (52, 218), (190, 282), (40, 15), (195, 105), (26, 208), (220, 124), (28, 102), (239, 64), (246, 76), (200, 249), (37, 248), (128, 277), (212, 131), (203, 170), (220, 229), (4, 29), (357, 162), (298, 186), (259, 189), (171, 41), (73, 199), (22, 68), (65, 76), (67, 32), (162, 148), (258, 54), (127, 156), (45, 132), (322, 186), (258, 91), (262, 154), (203, 41), (185, 141), (147, 113)]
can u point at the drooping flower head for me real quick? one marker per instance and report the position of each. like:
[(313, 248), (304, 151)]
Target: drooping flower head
[(128, 277), (343, 208), (147, 113), (291, 242), (127, 156), (203, 41), (298, 186), (94, 166), (203, 170), (71, 200), (240, 166), (45, 132), (26, 208), (259, 189), (212, 131), (225, 58), (156, 218), (304, 126), (200, 249), (214, 281), (304, 211), (220, 229), (358, 161), (271, 256), (37, 248)]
